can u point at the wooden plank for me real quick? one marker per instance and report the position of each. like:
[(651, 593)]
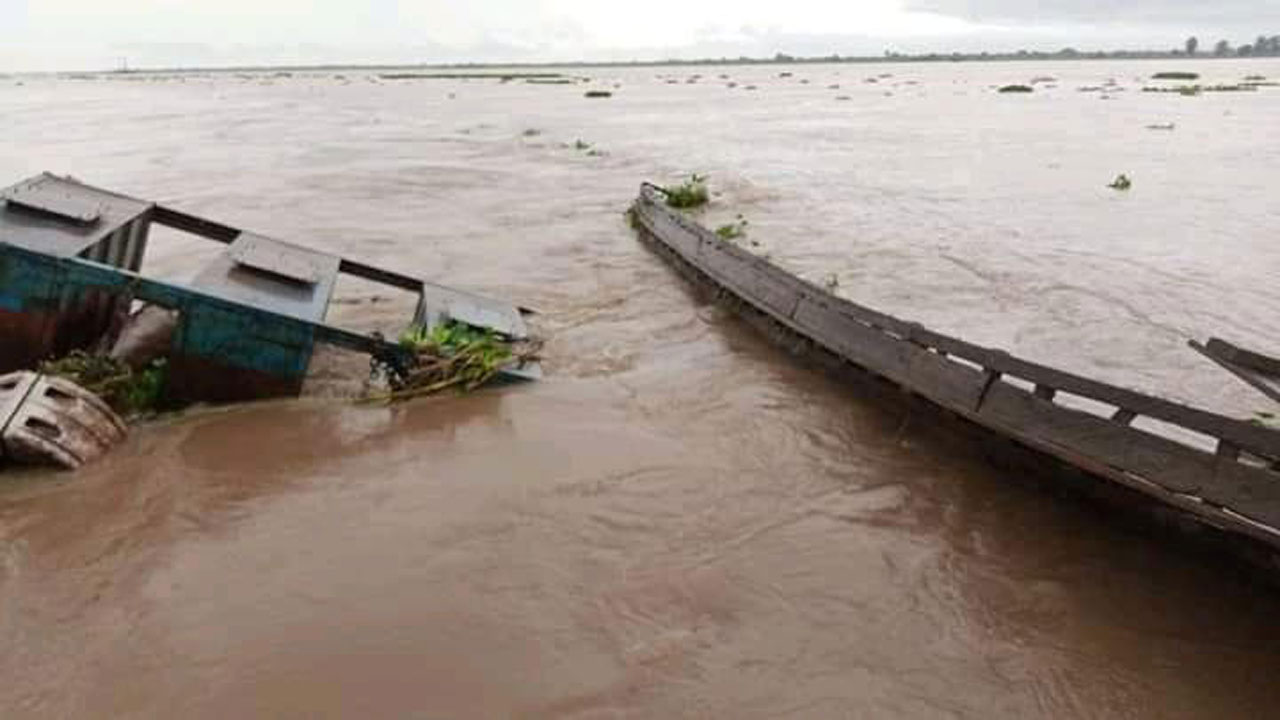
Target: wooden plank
[(950, 384), (1250, 491), (1245, 358), (859, 343), (1171, 465), (1252, 368)]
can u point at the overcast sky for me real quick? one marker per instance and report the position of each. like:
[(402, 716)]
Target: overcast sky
[(95, 34)]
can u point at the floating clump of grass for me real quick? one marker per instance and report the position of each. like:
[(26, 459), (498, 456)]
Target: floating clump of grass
[(689, 194), (1017, 89), (1176, 75), (453, 354), (733, 231), (1266, 420), (1122, 182), (596, 94), (131, 393)]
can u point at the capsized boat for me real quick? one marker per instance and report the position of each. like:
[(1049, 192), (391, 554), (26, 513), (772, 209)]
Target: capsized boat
[(72, 259)]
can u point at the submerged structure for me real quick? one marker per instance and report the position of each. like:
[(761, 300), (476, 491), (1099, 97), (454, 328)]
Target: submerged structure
[(71, 265), (1221, 472)]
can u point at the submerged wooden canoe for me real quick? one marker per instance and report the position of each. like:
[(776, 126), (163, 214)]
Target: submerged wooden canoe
[(1222, 472)]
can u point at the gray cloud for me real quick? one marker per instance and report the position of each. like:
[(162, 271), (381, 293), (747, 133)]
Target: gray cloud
[(1211, 14)]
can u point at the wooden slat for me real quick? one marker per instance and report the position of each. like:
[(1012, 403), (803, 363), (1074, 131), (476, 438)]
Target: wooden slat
[(179, 220)]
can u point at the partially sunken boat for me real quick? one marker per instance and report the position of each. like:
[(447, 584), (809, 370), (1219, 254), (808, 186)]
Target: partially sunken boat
[(72, 264), (1222, 472)]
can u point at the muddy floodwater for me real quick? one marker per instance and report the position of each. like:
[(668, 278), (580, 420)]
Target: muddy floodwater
[(680, 520)]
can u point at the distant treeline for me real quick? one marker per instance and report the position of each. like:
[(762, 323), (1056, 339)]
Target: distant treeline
[(1264, 46)]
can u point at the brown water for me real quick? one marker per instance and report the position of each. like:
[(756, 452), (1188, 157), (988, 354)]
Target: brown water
[(679, 521)]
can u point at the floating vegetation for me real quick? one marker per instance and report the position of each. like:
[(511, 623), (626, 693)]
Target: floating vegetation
[(1122, 182), (505, 77), (531, 132), (131, 393), (598, 94), (1197, 89), (1266, 420), (586, 147), (1017, 89), (550, 81), (831, 282), (733, 231), (689, 194), (1255, 78), (1162, 126), (1176, 75), (843, 98), (454, 355)]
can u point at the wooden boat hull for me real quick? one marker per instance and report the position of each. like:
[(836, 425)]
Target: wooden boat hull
[(1230, 481)]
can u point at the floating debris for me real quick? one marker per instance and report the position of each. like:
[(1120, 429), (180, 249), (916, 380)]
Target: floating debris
[(1162, 126), (734, 230), (1122, 182), (598, 94), (1176, 75), (51, 421), (689, 194), (1197, 89), (1017, 89), (454, 355), (128, 392)]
